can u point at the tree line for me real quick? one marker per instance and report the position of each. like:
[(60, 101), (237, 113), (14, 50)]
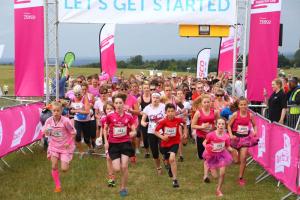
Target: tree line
[(138, 62)]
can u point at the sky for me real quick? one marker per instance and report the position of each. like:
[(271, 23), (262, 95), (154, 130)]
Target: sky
[(146, 40)]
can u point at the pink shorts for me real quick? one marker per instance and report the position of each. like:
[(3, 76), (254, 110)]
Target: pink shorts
[(64, 157)]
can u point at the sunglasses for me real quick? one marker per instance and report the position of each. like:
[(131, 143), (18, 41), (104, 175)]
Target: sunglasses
[(124, 89), (193, 88), (77, 95), (152, 89), (103, 92), (79, 81), (219, 95)]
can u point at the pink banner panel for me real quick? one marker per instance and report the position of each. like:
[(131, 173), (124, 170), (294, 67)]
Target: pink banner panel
[(284, 156), (19, 126), (261, 153), (277, 151), (107, 49), (226, 51), (263, 47), (29, 48)]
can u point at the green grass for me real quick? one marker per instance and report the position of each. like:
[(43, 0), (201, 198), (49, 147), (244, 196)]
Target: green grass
[(30, 178)]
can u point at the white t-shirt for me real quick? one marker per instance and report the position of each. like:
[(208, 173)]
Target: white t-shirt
[(186, 106), (154, 115)]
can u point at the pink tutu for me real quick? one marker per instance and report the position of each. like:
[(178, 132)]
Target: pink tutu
[(216, 160), (248, 141)]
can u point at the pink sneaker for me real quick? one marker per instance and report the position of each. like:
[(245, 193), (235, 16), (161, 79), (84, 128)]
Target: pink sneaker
[(219, 193), (241, 182)]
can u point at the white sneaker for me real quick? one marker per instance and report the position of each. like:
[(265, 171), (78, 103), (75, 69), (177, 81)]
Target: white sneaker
[(137, 151)]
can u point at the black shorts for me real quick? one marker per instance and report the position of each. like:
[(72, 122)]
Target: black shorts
[(93, 127), (167, 150), (115, 150), (82, 128)]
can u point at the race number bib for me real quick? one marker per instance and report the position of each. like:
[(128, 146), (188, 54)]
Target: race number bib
[(243, 130), (151, 127), (56, 134), (171, 132), (218, 147), (120, 131)]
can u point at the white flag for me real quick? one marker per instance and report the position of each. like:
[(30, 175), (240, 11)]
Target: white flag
[(202, 63), (1, 50)]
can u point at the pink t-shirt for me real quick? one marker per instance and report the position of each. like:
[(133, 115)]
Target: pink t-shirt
[(94, 91), (217, 142), (119, 127), (103, 120), (61, 133), (129, 103)]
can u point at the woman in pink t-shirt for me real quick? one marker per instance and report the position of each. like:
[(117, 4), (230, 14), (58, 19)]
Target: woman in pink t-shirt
[(241, 135), (204, 122), (118, 131), (61, 135)]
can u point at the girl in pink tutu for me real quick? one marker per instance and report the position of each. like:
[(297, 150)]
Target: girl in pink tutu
[(62, 144), (239, 127), (216, 155)]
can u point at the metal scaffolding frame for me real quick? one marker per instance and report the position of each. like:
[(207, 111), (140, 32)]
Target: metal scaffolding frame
[(243, 11), (51, 48)]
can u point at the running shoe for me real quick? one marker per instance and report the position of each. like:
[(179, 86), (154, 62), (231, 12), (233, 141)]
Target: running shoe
[(180, 159), (175, 184), (81, 155), (137, 151), (123, 193), (206, 180), (219, 193), (57, 190), (147, 155), (111, 183), (241, 182), (133, 159)]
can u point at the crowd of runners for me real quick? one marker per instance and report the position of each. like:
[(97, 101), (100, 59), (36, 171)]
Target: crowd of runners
[(151, 115)]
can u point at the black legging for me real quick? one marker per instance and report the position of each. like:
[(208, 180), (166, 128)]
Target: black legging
[(200, 147), (145, 137), (154, 145)]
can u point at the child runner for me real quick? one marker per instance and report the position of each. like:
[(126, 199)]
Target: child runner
[(239, 131), (155, 112), (216, 155), (204, 122), (61, 145), (121, 128), (182, 111), (170, 137), (107, 108)]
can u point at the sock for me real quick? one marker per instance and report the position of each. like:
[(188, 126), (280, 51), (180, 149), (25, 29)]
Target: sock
[(93, 144), (55, 176)]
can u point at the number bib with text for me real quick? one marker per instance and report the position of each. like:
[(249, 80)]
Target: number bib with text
[(171, 132), (120, 131), (218, 147), (243, 130)]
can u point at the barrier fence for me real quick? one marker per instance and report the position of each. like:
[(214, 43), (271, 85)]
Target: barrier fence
[(19, 126)]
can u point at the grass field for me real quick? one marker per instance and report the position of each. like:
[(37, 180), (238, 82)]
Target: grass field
[(30, 178)]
